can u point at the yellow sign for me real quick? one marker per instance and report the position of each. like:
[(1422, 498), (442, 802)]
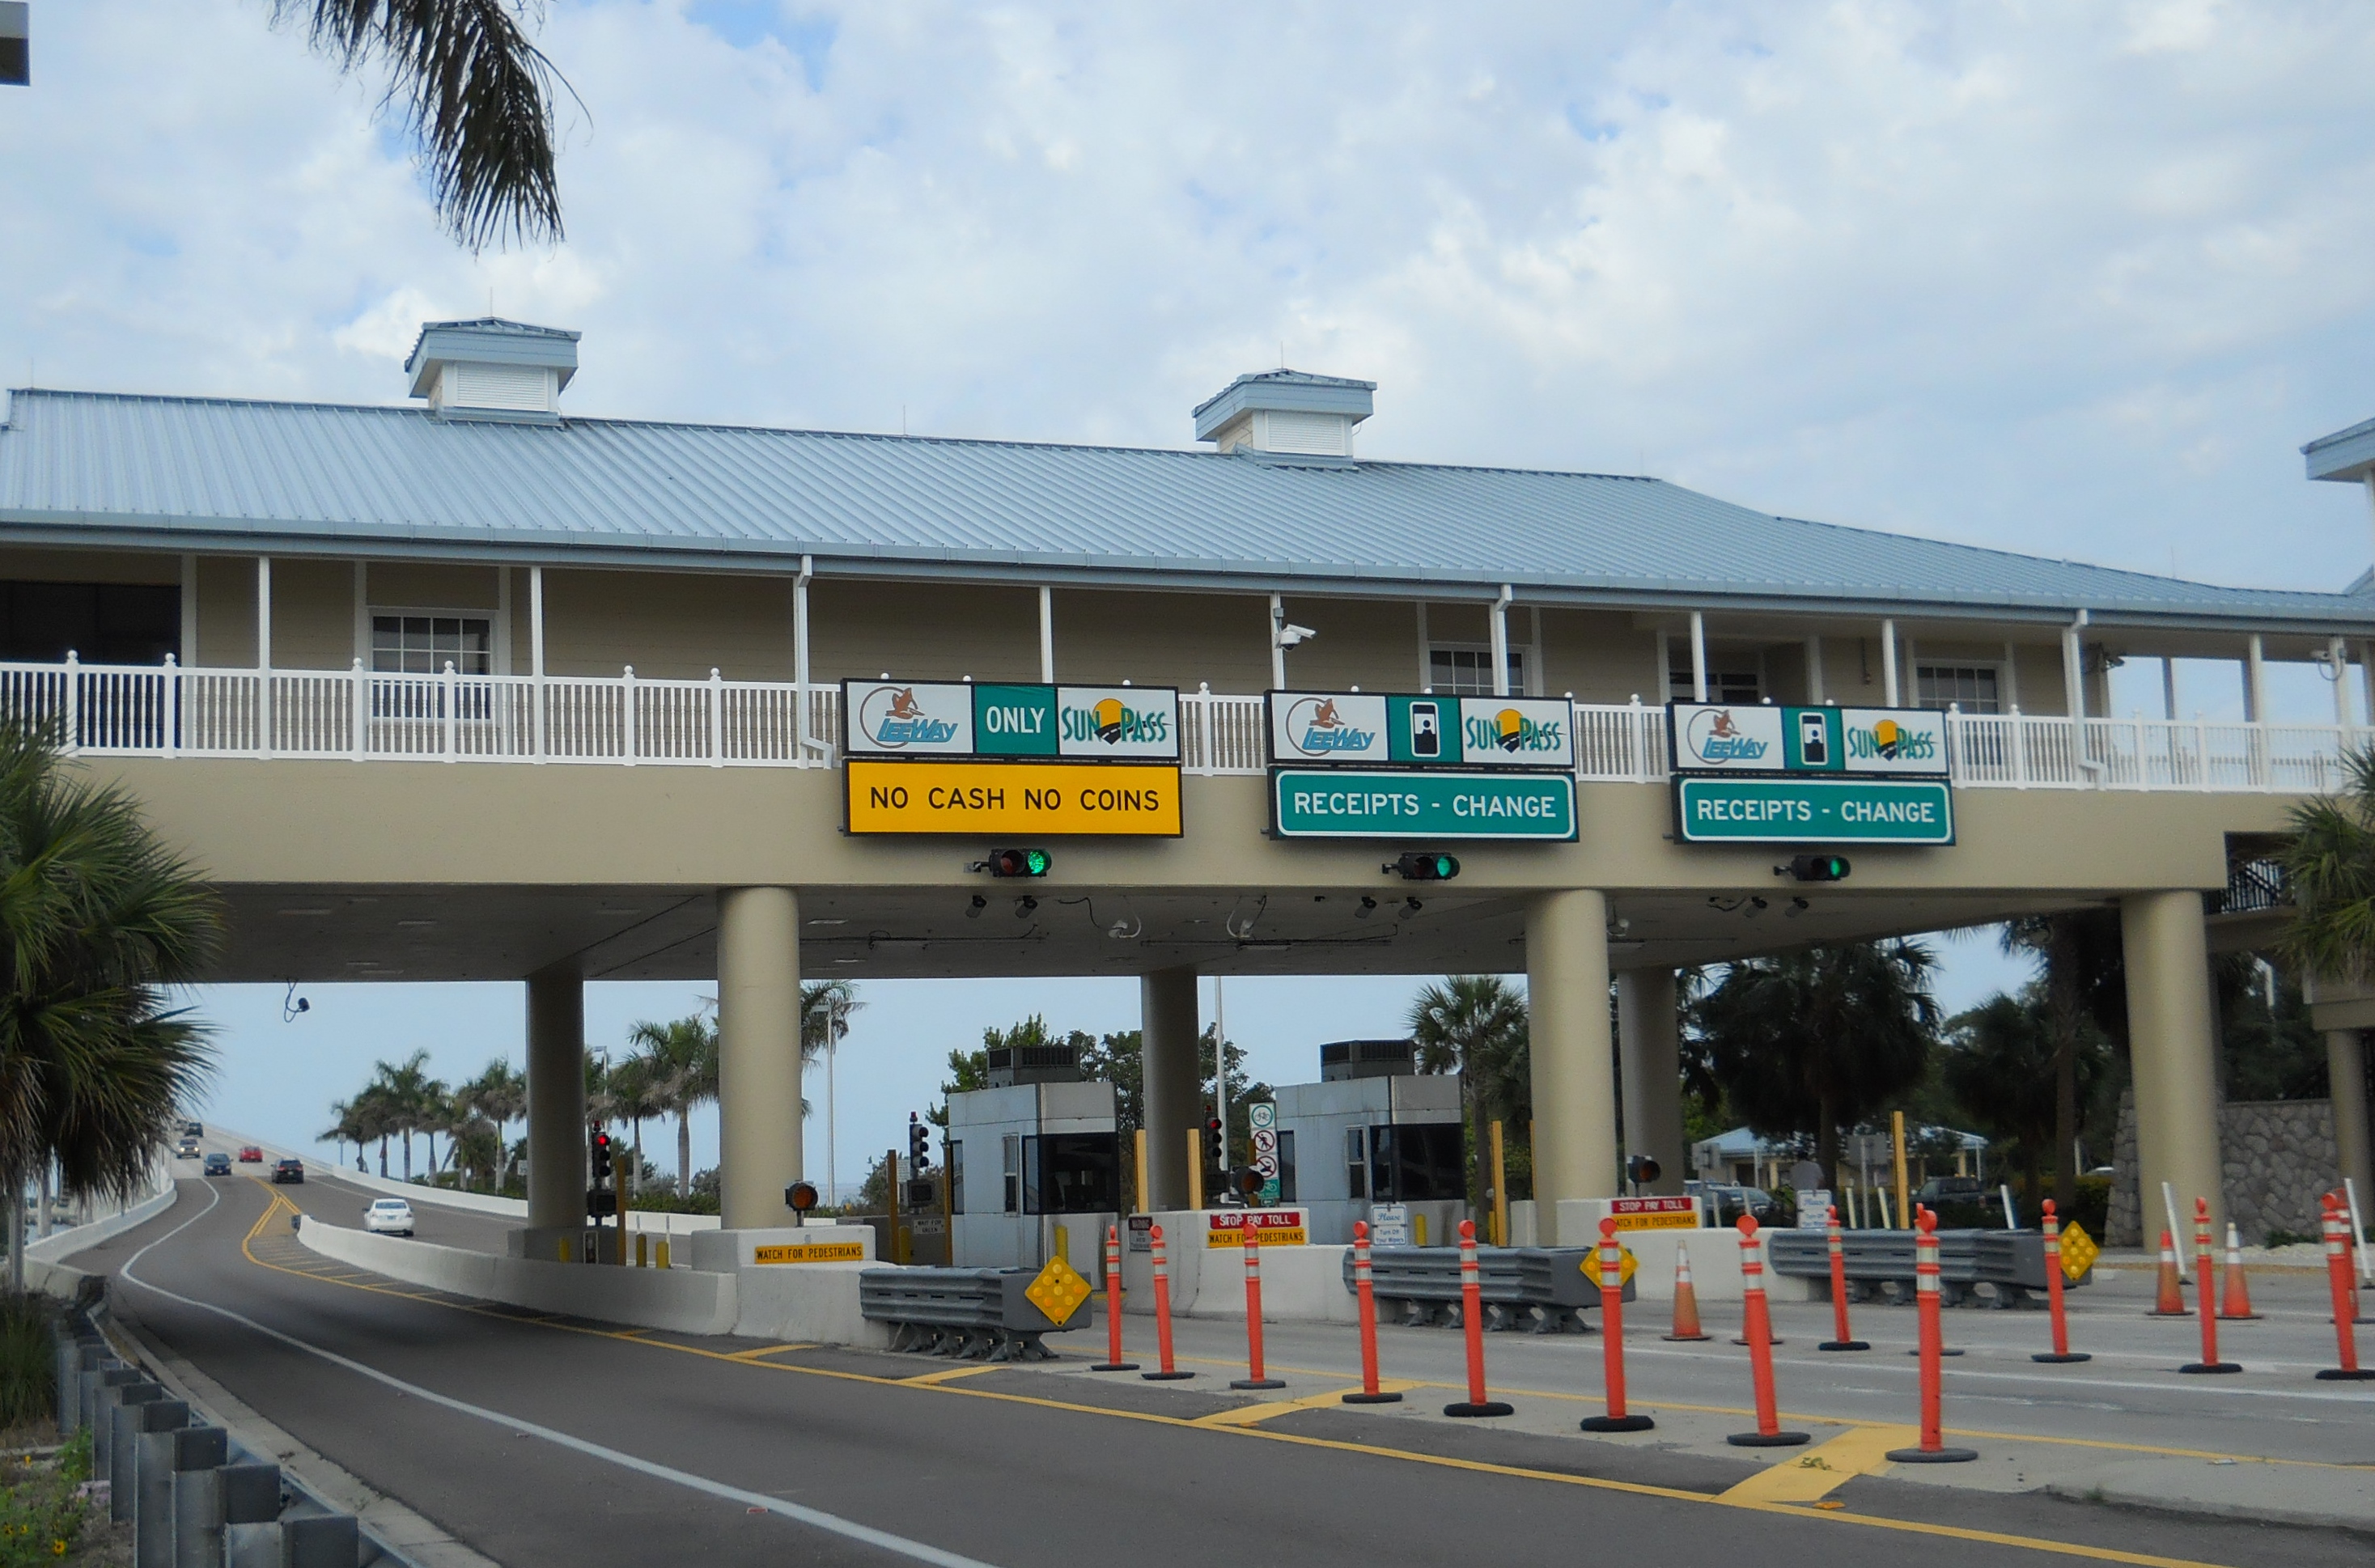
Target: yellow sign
[(1625, 1264), (1103, 799), (2079, 1252), (811, 1252), (1058, 1292), (1686, 1220)]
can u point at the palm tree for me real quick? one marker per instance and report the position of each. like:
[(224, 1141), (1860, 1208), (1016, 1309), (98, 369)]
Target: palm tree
[(346, 1126), (635, 1093), (97, 917), (1819, 1039), (376, 1122), (500, 1094), (2329, 869), (680, 1060), (1476, 1025), (2085, 982), (404, 1091), (475, 93), (2001, 1061)]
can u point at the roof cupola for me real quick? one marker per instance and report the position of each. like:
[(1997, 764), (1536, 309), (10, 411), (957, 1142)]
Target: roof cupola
[(492, 369), (1292, 413)]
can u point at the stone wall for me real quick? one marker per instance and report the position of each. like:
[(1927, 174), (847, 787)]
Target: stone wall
[(2277, 1157)]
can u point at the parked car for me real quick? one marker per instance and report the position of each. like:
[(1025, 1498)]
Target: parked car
[(289, 1171), (217, 1163), (188, 1149), (1939, 1190), (1727, 1202), (388, 1217), (251, 1155)]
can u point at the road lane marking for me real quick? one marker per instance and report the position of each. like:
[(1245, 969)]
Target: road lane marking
[(765, 1351), (1599, 1483), (833, 1524), (1263, 1410), (948, 1374), (1814, 1475)]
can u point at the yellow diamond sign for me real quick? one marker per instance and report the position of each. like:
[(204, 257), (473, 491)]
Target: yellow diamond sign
[(1058, 1292), (1626, 1263), (2079, 1252)]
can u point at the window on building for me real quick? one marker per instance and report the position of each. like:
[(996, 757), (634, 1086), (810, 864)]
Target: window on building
[(1013, 1149), (404, 643), (1071, 1173), (1975, 688), (1413, 1162), (1286, 1166), (956, 1177), (100, 623), (1466, 669), (1745, 687), (1356, 1163)]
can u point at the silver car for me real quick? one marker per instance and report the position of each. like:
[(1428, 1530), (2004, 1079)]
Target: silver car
[(388, 1217)]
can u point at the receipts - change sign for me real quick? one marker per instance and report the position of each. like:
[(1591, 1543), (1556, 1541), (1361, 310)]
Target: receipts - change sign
[(1380, 803), (1804, 810)]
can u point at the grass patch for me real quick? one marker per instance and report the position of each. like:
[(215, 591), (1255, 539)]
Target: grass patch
[(45, 1503)]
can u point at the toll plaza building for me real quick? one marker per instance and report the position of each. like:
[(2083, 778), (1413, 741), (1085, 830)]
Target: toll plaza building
[(474, 688)]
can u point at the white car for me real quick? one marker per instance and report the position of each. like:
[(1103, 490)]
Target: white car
[(388, 1217)]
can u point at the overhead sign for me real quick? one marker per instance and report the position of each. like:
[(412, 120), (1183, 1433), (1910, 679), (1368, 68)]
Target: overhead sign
[(1272, 1227), (1813, 811), (1310, 803), (913, 718), (1019, 797), (1734, 737), (1351, 728)]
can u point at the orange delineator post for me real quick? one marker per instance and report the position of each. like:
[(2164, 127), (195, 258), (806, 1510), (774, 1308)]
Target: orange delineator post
[(2202, 1295), (1842, 1340), (2236, 1305), (2060, 1352), (2171, 1299), (1686, 1298), (1472, 1319), (1611, 1341), (1162, 1312), (1249, 1243), (1113, 1361), (1363, 1289), (1757, 1331), (2340, 1284), (1933, 1449)]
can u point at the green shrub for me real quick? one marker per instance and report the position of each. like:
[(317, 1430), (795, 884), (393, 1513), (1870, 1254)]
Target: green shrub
[(43, 1507), (28, 1361)]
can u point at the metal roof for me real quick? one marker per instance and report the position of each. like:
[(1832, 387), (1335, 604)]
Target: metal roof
[(192, 473)]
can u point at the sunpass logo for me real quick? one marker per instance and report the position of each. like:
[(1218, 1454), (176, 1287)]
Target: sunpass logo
[(1512, 731), (1316, 729), (894, 718), (1890, 741), (1712, 737), (1116, 723)]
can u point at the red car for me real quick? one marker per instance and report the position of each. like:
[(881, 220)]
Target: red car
[(251, 1155)]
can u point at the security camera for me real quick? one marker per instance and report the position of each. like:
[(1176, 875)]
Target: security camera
[(1292, 636)]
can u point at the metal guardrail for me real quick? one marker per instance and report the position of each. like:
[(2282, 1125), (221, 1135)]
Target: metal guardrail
[(1542, 1290), (968, 1314), (1987, 1267)]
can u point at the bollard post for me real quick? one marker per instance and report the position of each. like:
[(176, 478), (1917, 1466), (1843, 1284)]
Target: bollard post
[(1363, 1290), (1686, 1297), (1113, 1361), (660, 1253), (1249, 1243), (1471, 1322), (1932, 1450), (1162, 1314), (1612, 1338), (2060, 1352), (1757, 1331), (2339, 1285), (1842, 1340), (2203, 1297)]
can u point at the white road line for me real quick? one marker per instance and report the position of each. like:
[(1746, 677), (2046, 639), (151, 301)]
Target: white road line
[(848, 1528)]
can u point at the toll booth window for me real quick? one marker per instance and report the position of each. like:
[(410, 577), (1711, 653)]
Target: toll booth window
[(1286, 1167), (425, 644), (1073, 1173), (1357, 1162), (1013, 1173), (1410, 1164), (956, 1176)]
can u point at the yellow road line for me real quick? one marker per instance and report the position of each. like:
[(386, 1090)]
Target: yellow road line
[(1595, 1483), (1252, 1415), (1861, 1451), (948, 1374), (765, 1351)]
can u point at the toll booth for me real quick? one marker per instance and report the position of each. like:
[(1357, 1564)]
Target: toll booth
[(1035, 1169), (1374, 1130)]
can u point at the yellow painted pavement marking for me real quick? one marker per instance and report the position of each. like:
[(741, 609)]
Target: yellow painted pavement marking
[(1250, 1415), (948, 1374), (765, 1351), (1860, 1451), (1439, 1461)]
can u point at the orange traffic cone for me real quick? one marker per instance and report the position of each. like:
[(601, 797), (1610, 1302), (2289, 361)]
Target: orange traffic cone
[(2171, 1302), (1686, 1299), (2239, 1291)]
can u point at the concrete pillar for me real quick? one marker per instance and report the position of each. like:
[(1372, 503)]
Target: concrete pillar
[(556, 1099), (1574, 1077), (1173, 1085), (757, 1055), (1649, 1049), (2173, 1041), (2345, 1068)]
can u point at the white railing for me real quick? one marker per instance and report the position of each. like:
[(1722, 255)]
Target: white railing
[(630, 721)]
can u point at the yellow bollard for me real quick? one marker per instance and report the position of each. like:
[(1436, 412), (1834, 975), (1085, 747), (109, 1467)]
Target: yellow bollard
[(660, 1257), (1418, 1229), (563, 1245), (643, 1250)]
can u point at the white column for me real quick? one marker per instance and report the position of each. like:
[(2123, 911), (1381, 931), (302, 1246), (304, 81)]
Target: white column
[(2255, 681), (500, 653), (2168, 688), (536, 621), (1501, 642), (264, 612), (1888, 664), (1277, 653), (1662, 691), (1046, 636), (1814, 669), (1699, 657), (800, 656), (189, 654), (362, 613), (2338, 656), (2012, 678), (2074, 672)]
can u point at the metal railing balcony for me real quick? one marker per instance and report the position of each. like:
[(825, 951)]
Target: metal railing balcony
[(630, 721)]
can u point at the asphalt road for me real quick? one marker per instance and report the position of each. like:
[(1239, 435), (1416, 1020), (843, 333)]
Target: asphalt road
[(541, 1442)]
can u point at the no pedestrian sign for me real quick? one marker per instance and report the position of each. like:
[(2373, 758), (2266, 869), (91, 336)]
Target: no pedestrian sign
[(1804, 810)]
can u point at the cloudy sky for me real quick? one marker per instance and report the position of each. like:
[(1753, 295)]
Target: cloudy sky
[(2076, 280)]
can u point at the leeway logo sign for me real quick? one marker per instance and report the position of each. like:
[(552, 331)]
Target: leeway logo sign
[(1735, 737), (1339, 728), (916, 718)]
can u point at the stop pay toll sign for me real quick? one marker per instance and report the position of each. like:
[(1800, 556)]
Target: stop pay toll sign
[(1271, 1227)]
